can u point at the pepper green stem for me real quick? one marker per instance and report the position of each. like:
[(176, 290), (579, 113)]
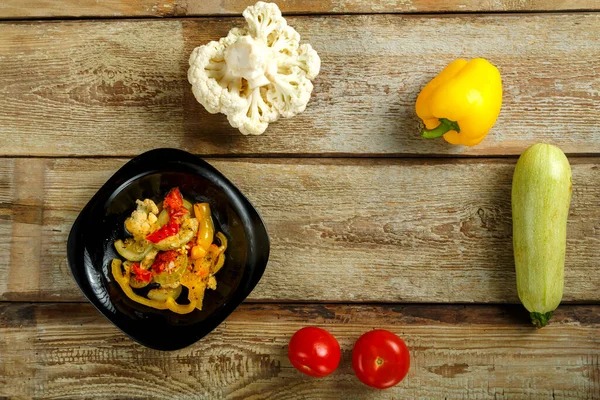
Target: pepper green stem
[(445, 126), (540, 320)]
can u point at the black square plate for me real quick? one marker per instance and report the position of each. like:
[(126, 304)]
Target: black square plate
[(151, 175)]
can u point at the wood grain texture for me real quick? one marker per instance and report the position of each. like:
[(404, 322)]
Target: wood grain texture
[(357, 230), (59, 351), (16, 9), (119, 87)]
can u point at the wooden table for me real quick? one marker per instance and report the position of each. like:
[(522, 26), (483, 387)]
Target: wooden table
[(371, 226)]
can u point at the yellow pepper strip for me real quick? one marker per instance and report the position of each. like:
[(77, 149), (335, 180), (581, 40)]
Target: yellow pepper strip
[(202, 266), (219, 264), (196, 287), (220, 259), (206, 230), (223, 241), (462, 103), (169, 303)]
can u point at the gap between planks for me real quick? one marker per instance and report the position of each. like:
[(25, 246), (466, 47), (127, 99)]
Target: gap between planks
[(233, 16), (308, 156), (86, 9), (335, 159), (362, 313)]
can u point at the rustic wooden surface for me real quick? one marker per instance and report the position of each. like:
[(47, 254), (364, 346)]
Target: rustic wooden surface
[(87, 87), (69, 350), (427, 231), (15, 9), (359, 209)]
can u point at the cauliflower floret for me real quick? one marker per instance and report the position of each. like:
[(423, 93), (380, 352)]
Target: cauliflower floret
[(290, 93), (257, 74), (212, 283), (263, 19), (286, 43), (212, 85), (143, 220), (256, 116), (309, 61)]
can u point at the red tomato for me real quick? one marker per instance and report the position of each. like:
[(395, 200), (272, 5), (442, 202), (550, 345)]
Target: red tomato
[(163, 259), (173, 200), (314, 351), (141, 274), (380, 359), (177, 214)]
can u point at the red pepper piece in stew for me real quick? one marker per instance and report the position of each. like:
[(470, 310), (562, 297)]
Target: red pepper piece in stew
[(169, 229), (174, 205), (141, 274), (173, 201), (163, 259), (176, 215)]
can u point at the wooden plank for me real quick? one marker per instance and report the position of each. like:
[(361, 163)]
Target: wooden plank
[(490, 352), (16, 9), (119, 87), (358, 230)]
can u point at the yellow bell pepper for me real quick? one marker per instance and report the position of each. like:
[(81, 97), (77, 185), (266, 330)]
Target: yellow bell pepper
[(206, 230), (168, 304), (462, 103)]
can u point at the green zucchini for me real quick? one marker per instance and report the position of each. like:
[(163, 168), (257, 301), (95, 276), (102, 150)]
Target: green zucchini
[(170, 277), (163, 218), (137, 284), (133, 281), (133, 250), (161, 294), (187, 231), (541, 196)]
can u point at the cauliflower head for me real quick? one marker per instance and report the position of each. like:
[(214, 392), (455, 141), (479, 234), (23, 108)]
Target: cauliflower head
[(143, 220), (256, 74)]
